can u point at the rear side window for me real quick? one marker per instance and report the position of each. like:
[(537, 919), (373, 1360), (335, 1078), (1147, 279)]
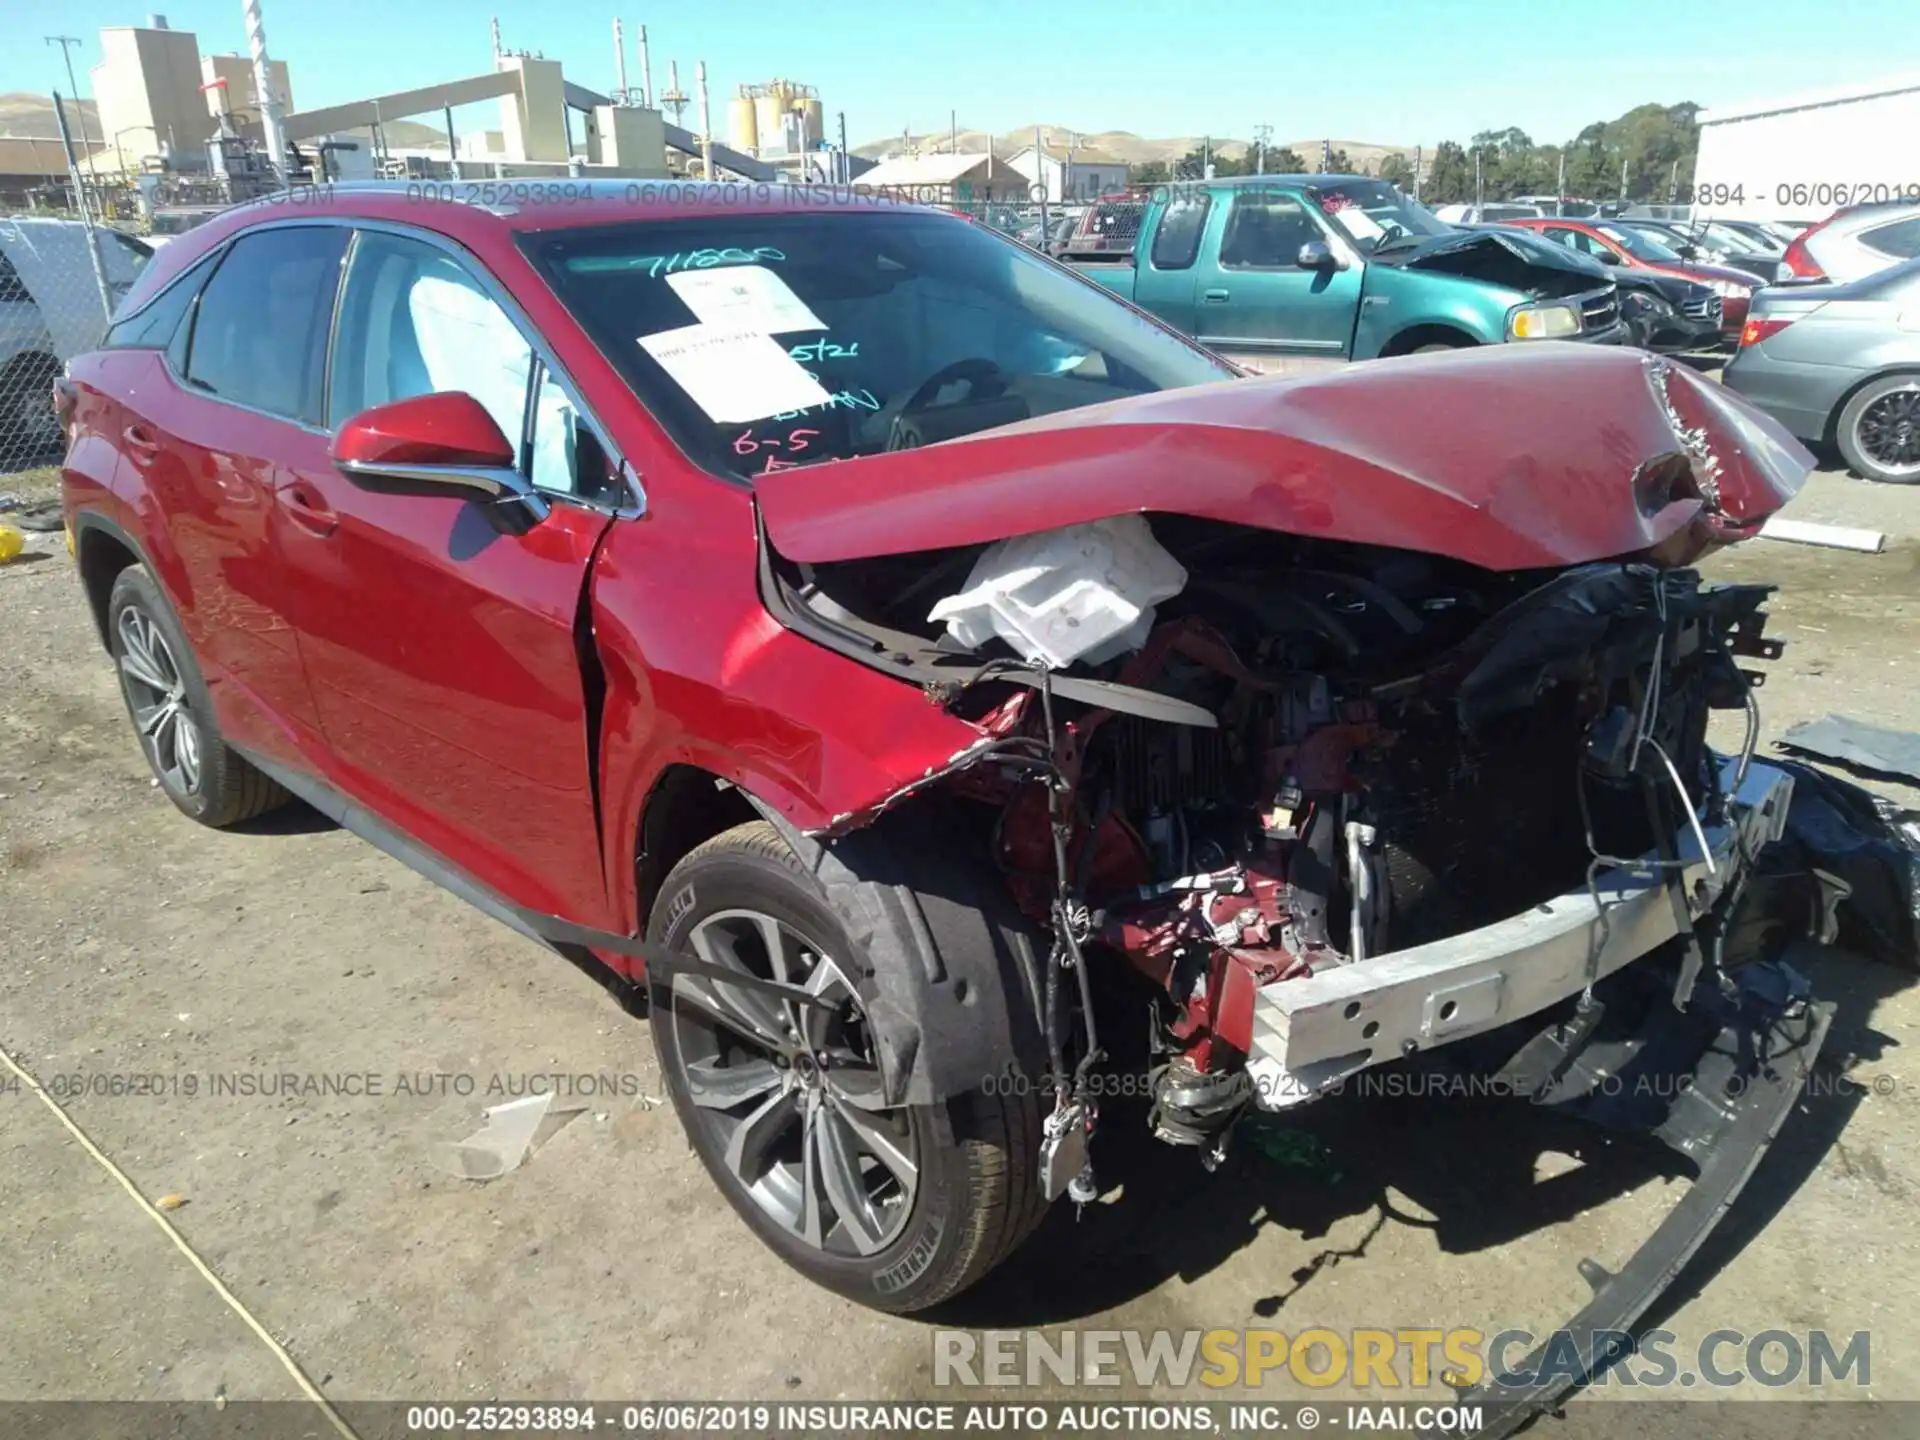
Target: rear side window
[(1901, 239), (260, 337), (155, 324), (1177, 242)]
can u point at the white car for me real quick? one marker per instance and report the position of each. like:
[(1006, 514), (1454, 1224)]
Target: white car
[(1493, 214), (1854, 243), (51, 307)]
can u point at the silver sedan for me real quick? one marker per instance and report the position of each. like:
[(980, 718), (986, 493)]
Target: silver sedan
[(1840, 364)]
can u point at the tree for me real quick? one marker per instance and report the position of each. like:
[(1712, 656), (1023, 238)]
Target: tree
[(1450, 179), (1338, 164), (1285, 161), (1152, 172), (1397, 169)]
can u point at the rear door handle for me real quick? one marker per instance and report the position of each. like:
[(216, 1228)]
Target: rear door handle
[(1214, 297), (140, 440), (307, 509)]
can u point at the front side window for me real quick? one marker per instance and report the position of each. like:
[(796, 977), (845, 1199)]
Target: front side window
[(764, 342), (413, 321), (1265, 230), (260, 333), (1176, 243)]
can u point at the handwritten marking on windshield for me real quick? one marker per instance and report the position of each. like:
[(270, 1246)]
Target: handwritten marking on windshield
[(861, 399), (658, 265), (818, 350), (747, 443)]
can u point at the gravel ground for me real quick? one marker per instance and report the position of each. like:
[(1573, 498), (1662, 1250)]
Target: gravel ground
[(137, 943)]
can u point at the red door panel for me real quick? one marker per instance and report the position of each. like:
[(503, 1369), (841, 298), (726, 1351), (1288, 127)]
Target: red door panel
[(204, 473), (442, 659)]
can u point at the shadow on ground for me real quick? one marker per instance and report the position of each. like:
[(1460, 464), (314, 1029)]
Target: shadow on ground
[(1470, 1166)]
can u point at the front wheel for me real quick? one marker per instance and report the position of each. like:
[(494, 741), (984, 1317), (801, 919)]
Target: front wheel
[(1879, 430), (895, 1206)]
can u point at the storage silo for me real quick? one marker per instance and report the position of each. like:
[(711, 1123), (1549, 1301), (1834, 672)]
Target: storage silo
[(816, 121), (767, 110), (741, 124)]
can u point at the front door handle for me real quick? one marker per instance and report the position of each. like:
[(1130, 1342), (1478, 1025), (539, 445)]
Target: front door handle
[(1214, 297), (307, 508)]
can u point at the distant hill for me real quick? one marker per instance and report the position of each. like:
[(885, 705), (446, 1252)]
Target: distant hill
[(1124, 145), (31, 116)]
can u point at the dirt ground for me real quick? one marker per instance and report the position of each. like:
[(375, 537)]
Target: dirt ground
[(136, 943)]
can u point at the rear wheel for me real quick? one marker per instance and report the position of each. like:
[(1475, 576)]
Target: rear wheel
[(1879, 430), (172, 713), (896, 1206)]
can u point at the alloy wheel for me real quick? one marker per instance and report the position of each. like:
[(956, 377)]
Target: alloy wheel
[(789, 1089), (157, 698), (1888, 431)]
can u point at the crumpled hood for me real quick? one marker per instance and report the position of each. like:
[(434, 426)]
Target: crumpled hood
[(1545, 255), (1511, 457)]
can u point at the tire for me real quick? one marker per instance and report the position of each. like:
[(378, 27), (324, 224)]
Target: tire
[(172, 714), (960, 1188), (1879, 430), (29, 430)]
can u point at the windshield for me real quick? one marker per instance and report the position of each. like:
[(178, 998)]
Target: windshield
[(1371, 213), (1637, 243), (766, 342)]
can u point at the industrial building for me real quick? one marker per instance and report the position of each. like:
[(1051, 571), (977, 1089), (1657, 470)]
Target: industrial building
[(159, 98), (1070, 172), (1801, 157)]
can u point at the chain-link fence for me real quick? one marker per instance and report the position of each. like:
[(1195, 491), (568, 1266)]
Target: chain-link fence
[(59, 281)]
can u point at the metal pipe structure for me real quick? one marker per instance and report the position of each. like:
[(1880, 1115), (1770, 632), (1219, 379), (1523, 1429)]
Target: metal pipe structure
[(263, 87), (706, 124), (497, 52), (646, 71), (86, 209), (620, 60)]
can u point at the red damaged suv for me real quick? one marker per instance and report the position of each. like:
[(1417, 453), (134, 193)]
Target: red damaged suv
[(873, 642)]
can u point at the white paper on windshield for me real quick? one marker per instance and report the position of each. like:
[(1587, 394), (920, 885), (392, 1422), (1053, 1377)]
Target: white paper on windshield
[(751, 297), (733, 373), (1360, 224)]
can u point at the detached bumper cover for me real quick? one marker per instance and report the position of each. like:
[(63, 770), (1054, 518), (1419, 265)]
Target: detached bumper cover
[(1311, 1033)]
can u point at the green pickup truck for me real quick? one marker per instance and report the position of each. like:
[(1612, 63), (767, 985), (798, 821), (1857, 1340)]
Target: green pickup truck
[(1278, 272)]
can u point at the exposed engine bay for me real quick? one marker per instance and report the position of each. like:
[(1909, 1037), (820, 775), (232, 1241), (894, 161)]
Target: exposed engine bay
[(1322, 753)]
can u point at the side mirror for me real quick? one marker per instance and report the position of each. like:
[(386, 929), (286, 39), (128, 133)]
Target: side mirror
[(1607, 257), (1316, 255), (443, 444), (1686, 250)]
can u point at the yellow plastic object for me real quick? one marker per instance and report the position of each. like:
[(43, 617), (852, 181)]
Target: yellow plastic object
[(12, 542)]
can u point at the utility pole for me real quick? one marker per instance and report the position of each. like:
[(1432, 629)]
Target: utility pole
[(1206, 157), (846, 160), (1040, 164), (66, 44), (706, 125), (1560, 183), (1326, 156), (953, 132), (1261, 135), (1419, 159), (1478, 188), (1623, 177)]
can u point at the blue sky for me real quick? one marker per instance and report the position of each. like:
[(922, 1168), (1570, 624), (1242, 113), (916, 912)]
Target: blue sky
[(1394, 71)]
